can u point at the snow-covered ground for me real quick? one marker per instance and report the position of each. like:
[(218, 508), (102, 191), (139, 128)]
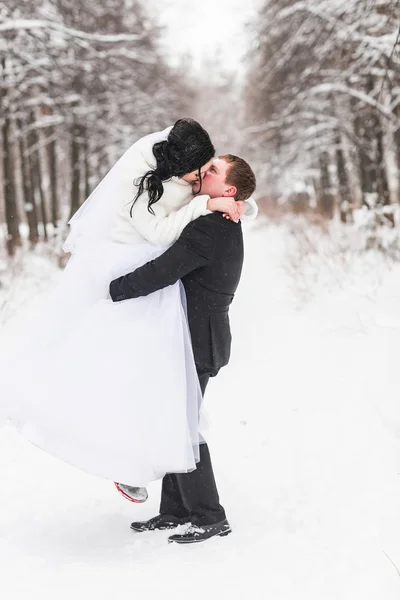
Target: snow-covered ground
[(305, 439)]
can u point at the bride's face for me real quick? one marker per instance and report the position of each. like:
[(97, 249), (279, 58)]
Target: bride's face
[(193, 177)]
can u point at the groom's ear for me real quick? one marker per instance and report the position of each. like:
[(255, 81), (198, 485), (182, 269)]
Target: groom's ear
[(230, 192)]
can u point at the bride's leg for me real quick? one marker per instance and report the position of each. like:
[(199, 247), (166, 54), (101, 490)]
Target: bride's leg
[(131, 493)]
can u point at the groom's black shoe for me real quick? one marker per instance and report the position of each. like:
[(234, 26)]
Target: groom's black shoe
[(200, 533), (160, 522)]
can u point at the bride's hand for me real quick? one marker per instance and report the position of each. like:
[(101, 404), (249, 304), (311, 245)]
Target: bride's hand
[(228, 206), (242, 209)]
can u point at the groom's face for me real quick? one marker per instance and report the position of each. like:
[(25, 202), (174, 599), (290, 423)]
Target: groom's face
[(214, 180)]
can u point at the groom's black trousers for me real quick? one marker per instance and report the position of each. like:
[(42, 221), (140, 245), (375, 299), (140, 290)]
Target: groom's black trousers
[(193, 495)]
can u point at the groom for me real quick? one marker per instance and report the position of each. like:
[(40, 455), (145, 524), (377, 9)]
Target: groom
[(208, 258)]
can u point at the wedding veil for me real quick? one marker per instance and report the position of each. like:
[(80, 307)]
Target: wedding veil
[(93, 221)]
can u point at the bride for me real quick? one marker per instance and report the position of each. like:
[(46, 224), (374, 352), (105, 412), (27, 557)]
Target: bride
[(112, 388)]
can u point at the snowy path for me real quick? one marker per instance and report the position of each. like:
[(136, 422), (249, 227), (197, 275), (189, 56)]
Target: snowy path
[(306, 454)]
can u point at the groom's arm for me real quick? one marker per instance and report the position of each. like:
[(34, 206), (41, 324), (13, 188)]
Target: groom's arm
[(194, 249)]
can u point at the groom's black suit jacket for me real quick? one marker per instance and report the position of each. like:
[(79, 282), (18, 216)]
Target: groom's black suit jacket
[(208, 258)]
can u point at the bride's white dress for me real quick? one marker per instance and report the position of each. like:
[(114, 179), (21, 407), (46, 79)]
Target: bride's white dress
[(108, 387), (112, 387)]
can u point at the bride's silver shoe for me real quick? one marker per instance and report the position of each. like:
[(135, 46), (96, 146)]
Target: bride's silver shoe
[(133, 494)]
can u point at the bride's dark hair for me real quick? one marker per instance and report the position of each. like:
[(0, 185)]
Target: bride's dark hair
[(187, 148)]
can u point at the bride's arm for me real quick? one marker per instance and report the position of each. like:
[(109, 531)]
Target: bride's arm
[(162, 228), (251, 210), (159, 228)]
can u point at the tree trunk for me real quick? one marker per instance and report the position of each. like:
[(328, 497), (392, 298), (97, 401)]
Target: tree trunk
[(87, 166), (368, 129), (43, 208), (397, 147), (326, 199), (10, 198), (36, 172), (363, 129), (75, 168), (28, 193), (382, 185), (52, 159), (345, 204), (365, 163)]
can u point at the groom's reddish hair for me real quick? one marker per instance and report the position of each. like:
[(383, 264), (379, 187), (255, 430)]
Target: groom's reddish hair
[(241, 175)]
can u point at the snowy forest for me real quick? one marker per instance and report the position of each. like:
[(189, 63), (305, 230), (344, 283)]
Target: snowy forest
[(79, 83), (316, 108), (323, 94), (304, 421)]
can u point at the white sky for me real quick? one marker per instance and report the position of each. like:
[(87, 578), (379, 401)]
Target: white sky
[(205, 28)]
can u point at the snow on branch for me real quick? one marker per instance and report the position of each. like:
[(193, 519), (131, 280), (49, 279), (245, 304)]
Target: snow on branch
[(344, 30), (326, 88), (30, 24)]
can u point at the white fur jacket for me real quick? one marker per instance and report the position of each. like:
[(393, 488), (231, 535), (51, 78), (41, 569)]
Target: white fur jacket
[(176, 208)]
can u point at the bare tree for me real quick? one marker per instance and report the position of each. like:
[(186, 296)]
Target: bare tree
[(84, 82), (324, 77)]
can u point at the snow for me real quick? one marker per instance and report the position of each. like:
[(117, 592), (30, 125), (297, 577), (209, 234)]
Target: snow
[(305, 439)]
